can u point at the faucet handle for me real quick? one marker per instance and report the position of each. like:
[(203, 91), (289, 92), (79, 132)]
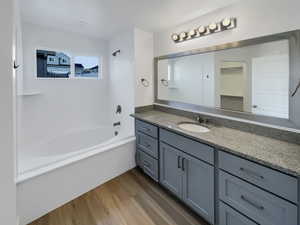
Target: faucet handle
[(199, 119)]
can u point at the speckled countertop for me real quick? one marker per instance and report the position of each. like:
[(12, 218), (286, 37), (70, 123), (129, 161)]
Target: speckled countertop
[(274, 153)]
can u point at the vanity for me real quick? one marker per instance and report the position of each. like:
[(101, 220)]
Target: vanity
[(239, 162), (221, 185)]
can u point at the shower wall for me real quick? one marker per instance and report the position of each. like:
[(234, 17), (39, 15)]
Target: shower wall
[(57, 106), (122, 78), (135, 61)]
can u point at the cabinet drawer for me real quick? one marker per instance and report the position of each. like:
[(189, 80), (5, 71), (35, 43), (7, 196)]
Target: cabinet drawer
[(148, 164), (147, 144), (146, 128), (228, 216), (271, 180), (194, 148), (259, 205)]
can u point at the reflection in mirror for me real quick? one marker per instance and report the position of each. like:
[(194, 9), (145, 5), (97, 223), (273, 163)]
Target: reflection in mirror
[(252, 79), (190, 79), (232, 86)]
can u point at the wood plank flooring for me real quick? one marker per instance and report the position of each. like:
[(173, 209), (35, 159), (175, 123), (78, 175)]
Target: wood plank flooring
[(130, 199)]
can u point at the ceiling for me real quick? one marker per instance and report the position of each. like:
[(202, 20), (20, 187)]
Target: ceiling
[(105, 18)]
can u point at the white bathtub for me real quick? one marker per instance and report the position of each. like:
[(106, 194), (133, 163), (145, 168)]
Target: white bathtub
[(69, 147), (58, 170)]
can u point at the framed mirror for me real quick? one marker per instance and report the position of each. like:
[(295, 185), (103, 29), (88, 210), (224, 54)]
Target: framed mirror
[(253, 79)]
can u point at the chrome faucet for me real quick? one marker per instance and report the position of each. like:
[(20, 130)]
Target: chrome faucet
[(201, 120), (117, 124)]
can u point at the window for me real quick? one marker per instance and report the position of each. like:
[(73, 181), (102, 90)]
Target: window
[(86, 67), (51, 64)]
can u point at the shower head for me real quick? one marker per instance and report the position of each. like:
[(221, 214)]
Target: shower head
[(116, 52)]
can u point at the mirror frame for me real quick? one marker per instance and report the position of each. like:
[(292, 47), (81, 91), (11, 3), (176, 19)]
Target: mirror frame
[(293, 123)]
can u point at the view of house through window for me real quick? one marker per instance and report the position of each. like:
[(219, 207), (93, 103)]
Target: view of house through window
[(52, 64), (86, 66)]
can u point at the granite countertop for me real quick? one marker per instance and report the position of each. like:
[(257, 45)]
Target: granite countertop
[(274, 153)]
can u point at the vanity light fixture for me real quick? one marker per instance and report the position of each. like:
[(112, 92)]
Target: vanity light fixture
[(225, 24)]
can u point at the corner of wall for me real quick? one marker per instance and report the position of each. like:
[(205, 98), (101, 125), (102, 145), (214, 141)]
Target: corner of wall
[(144, 55)]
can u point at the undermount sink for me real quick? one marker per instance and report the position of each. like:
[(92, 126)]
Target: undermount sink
[(193, 127)]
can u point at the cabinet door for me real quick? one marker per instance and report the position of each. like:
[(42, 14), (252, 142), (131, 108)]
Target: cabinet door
[(198, 186), (229, 216), (170, 172)]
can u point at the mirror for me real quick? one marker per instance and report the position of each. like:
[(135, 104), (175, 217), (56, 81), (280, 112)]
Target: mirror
[(253, 79)]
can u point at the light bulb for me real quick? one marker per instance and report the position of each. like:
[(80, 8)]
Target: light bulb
[(212, 26), (183, 35), (175, 37), (202, 29), (226, 22), (192, 33)]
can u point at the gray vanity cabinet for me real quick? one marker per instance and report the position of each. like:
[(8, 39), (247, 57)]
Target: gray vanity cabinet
[(259, 205), (189, 178), (247, 193), (170, 172), (147, 148), (198, 186)]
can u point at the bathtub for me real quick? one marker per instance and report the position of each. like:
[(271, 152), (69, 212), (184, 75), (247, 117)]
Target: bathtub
[(57, 170)]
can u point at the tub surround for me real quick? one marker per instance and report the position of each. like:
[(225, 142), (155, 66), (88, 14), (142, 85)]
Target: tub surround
[(277, 154)]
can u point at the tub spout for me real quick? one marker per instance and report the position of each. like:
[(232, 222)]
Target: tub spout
[(117, 124)]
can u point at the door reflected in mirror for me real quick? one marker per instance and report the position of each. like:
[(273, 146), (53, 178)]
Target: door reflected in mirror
[(233, 86), (253, 79)]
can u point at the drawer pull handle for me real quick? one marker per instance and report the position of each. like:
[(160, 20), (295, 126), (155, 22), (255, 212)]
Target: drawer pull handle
[(260, 207), (251, 173), (147, 129), (178, 162), (183, 159)]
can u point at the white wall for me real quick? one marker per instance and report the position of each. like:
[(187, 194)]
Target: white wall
[(63, 104), (144, 54), (255, 18), (7, 161), (121, 80)]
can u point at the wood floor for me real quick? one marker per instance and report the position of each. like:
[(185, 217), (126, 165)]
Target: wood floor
[(130, 199)]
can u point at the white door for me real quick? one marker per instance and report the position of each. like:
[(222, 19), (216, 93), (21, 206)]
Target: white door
[(270, 86)]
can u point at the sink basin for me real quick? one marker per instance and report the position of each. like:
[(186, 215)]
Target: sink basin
[(193, 127)]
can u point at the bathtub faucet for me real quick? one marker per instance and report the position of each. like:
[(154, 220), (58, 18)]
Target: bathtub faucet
[(117, 124)]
